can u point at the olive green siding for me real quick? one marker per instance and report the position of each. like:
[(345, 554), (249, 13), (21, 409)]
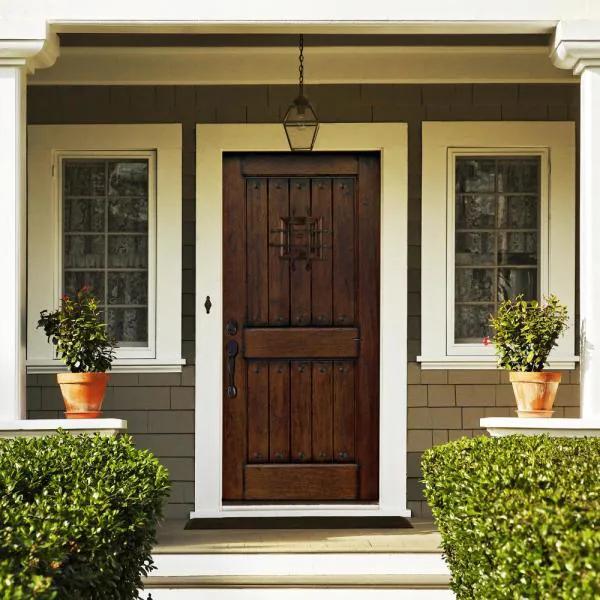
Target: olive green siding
[(442, 405)]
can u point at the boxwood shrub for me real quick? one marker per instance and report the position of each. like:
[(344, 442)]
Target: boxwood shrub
[(519, 516), (78, 517)]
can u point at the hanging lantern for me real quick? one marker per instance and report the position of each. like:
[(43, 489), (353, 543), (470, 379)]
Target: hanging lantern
[(300, 122)]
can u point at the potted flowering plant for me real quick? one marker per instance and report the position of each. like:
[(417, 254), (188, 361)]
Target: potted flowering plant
[(525, 332), (83, 344)]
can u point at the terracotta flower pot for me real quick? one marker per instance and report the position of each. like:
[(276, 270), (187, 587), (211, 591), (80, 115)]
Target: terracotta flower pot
[(535, 392), (83, 394)]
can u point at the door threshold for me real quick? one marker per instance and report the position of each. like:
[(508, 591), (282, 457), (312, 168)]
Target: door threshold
[(309, 522), (249, 511)]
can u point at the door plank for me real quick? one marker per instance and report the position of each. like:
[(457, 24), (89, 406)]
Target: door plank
[(258, 412), (300, 401), (343, 411), (301, 342), (301, 482), (257, 252), (234, 307), (300, 284), (279, 269), (322, 412), (343, 252), (367, 446), (322, 292), (279, 411)]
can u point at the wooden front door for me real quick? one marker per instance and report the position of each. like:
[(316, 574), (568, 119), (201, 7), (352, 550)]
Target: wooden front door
[(301, 327)]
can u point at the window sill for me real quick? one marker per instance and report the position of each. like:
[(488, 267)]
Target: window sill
[(130, 365), (472, 363)]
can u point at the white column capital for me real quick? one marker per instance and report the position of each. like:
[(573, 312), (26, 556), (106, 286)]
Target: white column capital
[(576, 45), (32, 53)]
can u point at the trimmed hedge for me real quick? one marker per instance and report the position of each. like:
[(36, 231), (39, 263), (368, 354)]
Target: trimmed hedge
[(78, 517), (519, 516)]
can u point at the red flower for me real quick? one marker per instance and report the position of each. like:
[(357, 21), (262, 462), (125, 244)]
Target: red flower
[(486, 340)]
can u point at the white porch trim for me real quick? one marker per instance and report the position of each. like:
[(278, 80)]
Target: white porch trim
[(211, 142), (18, 56), (12, 239)]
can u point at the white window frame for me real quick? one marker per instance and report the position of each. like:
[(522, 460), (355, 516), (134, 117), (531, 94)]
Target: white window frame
[(554, 142), (48, 146)]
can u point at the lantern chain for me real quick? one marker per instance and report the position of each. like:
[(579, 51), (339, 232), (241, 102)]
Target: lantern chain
[(301, 66)]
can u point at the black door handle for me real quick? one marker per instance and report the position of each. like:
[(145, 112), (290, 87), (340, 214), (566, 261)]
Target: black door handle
[(232, 349)]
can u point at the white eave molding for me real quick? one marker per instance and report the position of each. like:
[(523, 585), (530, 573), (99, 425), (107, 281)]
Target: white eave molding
[(576, 45), (277, 65), (35, 53)]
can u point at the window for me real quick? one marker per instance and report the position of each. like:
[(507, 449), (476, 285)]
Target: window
[(105, 210), (113, 224), (496, 242), (498, 220)]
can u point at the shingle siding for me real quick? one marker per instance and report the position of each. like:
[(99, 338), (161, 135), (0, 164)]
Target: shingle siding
[(443, 405)]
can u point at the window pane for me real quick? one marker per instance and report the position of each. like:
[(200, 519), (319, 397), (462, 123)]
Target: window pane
[(125, 288), (517, 248), (129, 325), (512, 282), (518, 212), (128, 178), (84, 178), (105, 240), (83, 214), (84, 251), (475, 212), (519, 175), (497, 212), (75, 280), (475, 285), (475, 175), (471, 323), (128, 215), (128, 251), (475, 248)]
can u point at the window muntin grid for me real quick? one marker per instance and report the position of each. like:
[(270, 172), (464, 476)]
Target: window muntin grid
[(496, 235), (105, 203)]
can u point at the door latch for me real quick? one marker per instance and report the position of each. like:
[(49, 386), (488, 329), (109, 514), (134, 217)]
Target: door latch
[(231, 328)]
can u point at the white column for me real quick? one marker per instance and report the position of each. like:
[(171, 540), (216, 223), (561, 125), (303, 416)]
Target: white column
[(589, 241), (576, 46), (13, 79)]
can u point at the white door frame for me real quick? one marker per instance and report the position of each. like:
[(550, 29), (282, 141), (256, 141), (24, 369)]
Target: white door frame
[(211, 142)]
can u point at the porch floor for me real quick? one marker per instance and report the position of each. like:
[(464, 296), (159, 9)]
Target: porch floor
[(174, 539)]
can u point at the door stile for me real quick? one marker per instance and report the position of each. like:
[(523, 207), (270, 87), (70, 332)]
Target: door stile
[(234, 308)]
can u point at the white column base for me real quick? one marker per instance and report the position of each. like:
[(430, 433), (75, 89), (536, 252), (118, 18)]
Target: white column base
[(41, 427), (501, 426)]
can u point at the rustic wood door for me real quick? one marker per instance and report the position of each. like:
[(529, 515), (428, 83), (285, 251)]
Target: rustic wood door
[(301, 327)]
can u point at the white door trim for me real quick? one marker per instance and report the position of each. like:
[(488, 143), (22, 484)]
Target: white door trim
[(211, 141)]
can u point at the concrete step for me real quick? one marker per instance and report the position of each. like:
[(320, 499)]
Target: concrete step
[(356, 576)]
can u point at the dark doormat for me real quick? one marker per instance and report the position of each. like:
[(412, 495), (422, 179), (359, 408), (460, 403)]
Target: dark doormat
[(301, 523)]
